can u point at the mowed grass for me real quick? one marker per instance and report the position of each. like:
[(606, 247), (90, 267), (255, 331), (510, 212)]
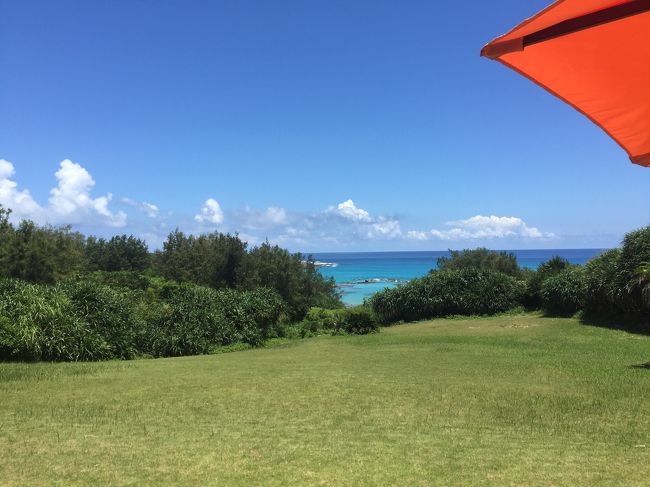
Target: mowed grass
[(519, 400)]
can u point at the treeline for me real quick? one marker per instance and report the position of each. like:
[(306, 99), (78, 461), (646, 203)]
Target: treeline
[(613, 286), (65, 296)]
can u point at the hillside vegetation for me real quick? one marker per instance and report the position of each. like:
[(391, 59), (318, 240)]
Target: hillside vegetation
[(69, 297)]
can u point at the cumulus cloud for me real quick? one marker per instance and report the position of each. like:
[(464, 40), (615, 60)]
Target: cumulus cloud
[(70, 201), (348, 222), (349, 211), (20, 201), (211, 213), (482, 227), (383, 229), (338, 226)]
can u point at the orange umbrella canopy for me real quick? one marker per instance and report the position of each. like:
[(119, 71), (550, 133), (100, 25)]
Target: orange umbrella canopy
[(594, 55)]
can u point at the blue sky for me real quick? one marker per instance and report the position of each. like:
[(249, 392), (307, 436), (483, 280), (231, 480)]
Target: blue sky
[(323, 126)]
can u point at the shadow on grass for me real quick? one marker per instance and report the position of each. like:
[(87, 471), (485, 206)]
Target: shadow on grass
[(641, 366), (637, 325)]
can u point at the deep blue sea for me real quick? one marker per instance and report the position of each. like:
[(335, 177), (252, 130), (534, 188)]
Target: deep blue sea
[(361, 274)]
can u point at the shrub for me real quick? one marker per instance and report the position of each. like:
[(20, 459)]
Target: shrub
[(268, 310), (106, 312), (634, 253), (189, 322), (122, 280), (448, 292), (192, 319), (642, 280), (39, 323), (321, 320), (359, 320), (563, 294), (602, 296), (532, 298)]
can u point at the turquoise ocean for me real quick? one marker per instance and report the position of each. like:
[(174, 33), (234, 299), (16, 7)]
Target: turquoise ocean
[(361, 274)]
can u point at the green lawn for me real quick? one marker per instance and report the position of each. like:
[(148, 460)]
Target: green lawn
[(518, 400)]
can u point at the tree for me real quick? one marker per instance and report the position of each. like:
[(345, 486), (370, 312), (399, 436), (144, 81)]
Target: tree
[(120, 253), (212, 259), (36, 253), (481, 258)]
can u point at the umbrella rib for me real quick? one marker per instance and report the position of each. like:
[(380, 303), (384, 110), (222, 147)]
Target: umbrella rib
[(586, 21)]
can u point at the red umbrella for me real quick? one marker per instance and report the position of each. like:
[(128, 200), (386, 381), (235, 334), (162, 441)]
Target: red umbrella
[(595, 56)]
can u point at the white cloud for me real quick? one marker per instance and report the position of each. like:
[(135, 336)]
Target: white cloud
[(211, 212), (483, 227), (350, 211), (149, 209), (20, 202), (70, 201), (275, 215), (384, 229), (338, 226), (254, 219), (417, 235)]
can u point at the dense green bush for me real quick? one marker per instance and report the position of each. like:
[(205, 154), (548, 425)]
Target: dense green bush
[(320, 320), (106, 312), (267, 309), (358, 320), (634, 253), (121, 280), (39, 323), (563, 294), (603, 297), (532, 298), (642, 282), (82, 319), (481, 258), (448, 292), (189, 321)]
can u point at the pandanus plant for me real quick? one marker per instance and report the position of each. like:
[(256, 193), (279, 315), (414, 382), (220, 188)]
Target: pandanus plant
[(642, 281)]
